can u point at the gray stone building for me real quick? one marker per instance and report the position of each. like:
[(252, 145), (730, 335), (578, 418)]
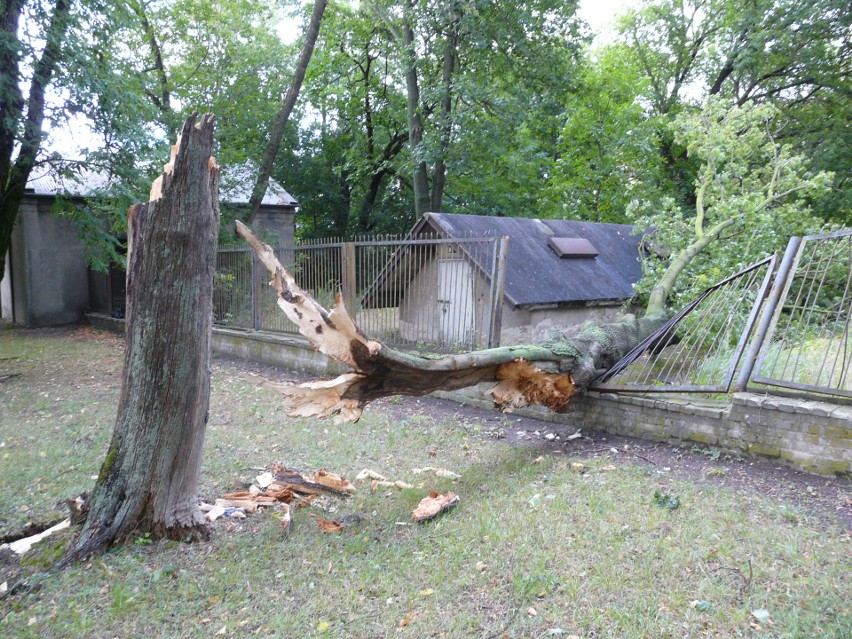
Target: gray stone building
[(559, 274), (47, 280)]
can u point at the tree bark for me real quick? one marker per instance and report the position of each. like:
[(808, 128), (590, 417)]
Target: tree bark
[(439, 171), (551, 373), (420, 177), (148, 480), (287, 104)]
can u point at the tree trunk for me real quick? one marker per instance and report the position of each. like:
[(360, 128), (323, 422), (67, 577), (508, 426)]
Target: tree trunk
[(286, 108), (551, 373), (439, 171), (148, 480), (422, 197)]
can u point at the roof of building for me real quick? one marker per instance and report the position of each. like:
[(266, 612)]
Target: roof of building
[(235, 185), (535, 274)]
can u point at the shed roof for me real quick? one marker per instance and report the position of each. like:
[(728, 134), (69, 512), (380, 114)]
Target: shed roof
[(535, 275), (235, 186)]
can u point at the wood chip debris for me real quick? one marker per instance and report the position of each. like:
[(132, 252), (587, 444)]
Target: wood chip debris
[(439, 472), (278, 488), (434, 505), (286, 519), (320, 481), (22, 546), (380, 481), (370, 474), (389, 484), (339, 524)]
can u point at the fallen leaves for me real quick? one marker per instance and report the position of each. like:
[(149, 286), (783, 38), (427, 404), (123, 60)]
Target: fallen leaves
[(327, 526)]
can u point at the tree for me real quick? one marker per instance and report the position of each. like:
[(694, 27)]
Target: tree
[(148, 480), (22, 120), (749, 198), (748, 190), (349, 156), (607, 155), (277, 132), (795, 55), (471, 72)]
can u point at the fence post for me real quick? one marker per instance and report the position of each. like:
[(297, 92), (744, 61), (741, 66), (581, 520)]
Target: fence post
[(498, 289), (347, 276), (256, 292), (779, 285)]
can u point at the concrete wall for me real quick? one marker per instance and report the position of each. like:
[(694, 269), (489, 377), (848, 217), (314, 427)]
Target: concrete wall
[(50, 283), (278, 350), (808, 435)]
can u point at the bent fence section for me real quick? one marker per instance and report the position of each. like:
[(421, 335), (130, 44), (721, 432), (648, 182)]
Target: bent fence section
[(782, 324), (779, 324)]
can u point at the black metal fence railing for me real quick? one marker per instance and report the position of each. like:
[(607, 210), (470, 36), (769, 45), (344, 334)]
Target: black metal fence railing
[(779, 323), (808, 344), (776, 324), (700, 348), (424, 293)]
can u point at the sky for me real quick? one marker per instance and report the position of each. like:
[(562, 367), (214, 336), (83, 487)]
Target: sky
[(600, 15)]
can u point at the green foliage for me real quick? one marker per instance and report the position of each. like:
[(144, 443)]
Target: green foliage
[(792, 54), (749, 198), (607, 152), (664, 500), (498, 138)]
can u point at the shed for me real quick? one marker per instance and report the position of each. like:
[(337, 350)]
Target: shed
[(47, 280), (559, 273)]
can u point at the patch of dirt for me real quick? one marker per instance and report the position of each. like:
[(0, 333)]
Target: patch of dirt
[(828, 498)]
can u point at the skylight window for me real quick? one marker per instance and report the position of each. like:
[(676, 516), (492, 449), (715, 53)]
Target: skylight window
[(572, 247)]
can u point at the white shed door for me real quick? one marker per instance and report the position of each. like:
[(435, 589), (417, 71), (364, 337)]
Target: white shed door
[(455, 300)]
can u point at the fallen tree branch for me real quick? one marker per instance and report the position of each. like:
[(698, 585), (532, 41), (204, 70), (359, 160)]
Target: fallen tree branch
[(550, 373)]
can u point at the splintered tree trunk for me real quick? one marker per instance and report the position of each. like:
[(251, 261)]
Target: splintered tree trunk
[(148, 480), (550, 373)]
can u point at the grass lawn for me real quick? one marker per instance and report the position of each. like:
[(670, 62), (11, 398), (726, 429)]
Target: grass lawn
[(570, 545)]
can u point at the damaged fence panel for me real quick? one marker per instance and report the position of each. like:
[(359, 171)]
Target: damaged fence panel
[(808, 345), (700, 348)]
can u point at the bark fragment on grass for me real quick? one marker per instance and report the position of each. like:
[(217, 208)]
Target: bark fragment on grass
[(433, 505)]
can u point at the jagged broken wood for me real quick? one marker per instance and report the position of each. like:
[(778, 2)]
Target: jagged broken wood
[(550, 373)]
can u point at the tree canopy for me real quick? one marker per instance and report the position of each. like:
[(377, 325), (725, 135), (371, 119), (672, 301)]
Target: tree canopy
[(465, 106)]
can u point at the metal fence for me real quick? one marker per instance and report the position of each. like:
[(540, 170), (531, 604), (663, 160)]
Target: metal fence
[(807, 344), (793, 314), (446, 295), (700, 348), (424, 293)]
